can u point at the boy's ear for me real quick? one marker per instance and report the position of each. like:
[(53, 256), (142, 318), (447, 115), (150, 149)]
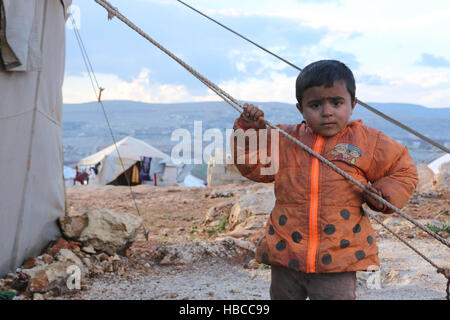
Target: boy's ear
[(299, 107)]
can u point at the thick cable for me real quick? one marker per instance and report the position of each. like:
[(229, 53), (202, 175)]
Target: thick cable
[(365, 105), (92, 78), (112, 11)]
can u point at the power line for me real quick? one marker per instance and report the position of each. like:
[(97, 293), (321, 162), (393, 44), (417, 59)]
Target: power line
[(365, 105)]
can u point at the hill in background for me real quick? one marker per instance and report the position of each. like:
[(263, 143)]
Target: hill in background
[(85, 130)]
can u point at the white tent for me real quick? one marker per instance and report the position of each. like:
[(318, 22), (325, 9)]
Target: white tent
[(435, 165), (130, 150), (32, 52)]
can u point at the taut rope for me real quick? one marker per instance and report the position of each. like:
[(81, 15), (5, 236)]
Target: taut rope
[(112, 11)]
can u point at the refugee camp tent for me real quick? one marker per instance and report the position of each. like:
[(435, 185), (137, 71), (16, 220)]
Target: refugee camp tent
[(131, 151), (436, 164), (32, 61)]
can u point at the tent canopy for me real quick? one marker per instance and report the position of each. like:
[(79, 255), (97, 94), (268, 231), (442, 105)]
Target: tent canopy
[(435, 165), (131, 150)]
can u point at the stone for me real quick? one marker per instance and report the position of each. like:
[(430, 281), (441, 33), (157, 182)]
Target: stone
[(61, 243), (427, 179), (222, 194), (258, 203), (217, 213), (30, 263), (176, 254), (72, 226), (46, 258), (87, 262), (443, 178), (38, 296), (253, 264), (65, 255), (51, 277), (392, 222), (110, 232), (88, 249)]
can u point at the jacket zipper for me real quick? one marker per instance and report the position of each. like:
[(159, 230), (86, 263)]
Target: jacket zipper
[(314, 208)]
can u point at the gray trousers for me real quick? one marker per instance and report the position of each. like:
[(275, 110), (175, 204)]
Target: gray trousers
[(288, 284)]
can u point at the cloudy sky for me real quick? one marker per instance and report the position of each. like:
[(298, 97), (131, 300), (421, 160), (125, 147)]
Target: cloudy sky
[(398, 50)]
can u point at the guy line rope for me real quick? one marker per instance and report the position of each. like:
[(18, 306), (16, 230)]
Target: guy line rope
[(93, 79), (113, 12), (365, 105)]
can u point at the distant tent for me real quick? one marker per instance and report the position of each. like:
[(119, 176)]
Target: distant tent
[(191, 181), (436, 164), (131, 151)]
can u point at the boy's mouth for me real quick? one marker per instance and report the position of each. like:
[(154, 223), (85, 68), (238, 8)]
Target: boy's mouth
[(328, 124)]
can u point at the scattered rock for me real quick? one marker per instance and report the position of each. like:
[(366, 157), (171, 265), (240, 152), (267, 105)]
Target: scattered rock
[(426, 178), (253, 264), (221, 194), (38, 296), (392, 222), (61, 243), (109, 231), (443, 178), (217, 213), (72, 226), (46, 258), (30, 263), (176, 254), (65, 255), (89, 249)]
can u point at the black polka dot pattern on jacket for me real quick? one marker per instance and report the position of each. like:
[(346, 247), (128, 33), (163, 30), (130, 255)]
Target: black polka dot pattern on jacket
[(357, 228), (329, 229), (265, 258), (296, 237), (281, 245), (360, 254), (369, 239), (282, 221), (345, 214), (271, 230), (326, 259), (294, 264), (344, 243)]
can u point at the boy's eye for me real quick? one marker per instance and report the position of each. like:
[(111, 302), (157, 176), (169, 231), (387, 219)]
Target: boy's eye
[(314, 105), (337, 102)]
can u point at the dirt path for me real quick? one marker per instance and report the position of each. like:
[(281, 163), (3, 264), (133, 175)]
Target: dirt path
[(403, 275), (175, 214)]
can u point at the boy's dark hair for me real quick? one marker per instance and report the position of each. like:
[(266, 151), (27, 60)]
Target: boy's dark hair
[(324, 72)]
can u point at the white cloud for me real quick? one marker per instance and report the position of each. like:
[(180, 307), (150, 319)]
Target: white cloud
[(77, 89), (273, 86)]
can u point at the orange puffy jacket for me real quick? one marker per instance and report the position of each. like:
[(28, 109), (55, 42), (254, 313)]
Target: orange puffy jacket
[(317, 224)]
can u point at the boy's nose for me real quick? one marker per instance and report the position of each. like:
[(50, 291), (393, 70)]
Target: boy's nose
[(327, 110)]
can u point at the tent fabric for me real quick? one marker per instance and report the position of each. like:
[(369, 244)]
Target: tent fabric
[(131, 150), (31, 153), (436, 164)]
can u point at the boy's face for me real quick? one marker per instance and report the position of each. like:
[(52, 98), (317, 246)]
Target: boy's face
[(327, 110)]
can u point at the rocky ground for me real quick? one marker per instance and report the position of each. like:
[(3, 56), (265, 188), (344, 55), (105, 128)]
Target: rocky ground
[(201, 242)]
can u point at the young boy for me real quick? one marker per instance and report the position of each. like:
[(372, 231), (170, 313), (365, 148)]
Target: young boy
[(317, 235)]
